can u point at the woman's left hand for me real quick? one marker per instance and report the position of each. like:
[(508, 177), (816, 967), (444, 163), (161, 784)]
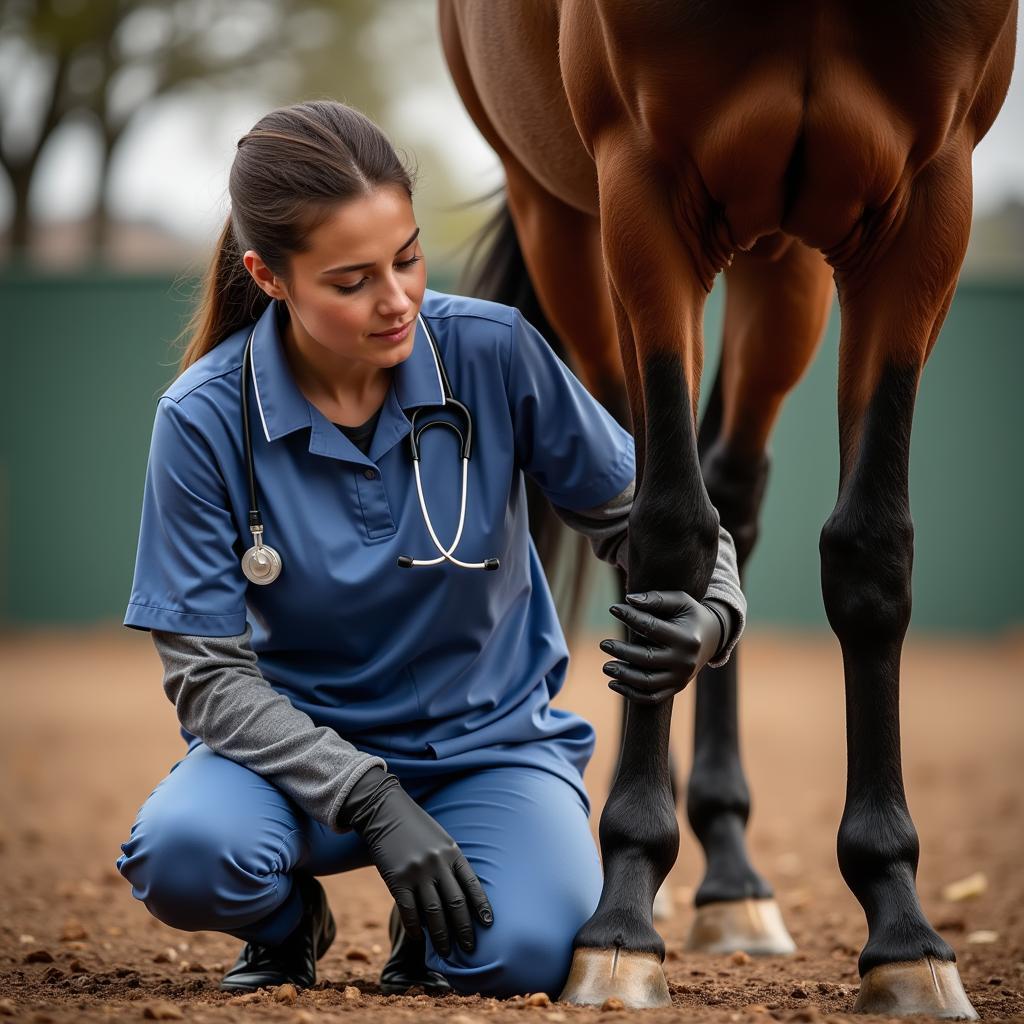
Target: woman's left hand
[(683, 633)]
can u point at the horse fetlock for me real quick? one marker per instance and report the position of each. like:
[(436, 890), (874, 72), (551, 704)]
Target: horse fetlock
[(649, 836), (878, 849), (714, 794)]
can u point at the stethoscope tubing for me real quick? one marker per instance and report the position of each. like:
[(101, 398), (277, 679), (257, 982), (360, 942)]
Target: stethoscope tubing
[(262, 564)]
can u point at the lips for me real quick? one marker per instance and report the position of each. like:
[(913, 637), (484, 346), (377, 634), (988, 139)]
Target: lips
[(393, 335)]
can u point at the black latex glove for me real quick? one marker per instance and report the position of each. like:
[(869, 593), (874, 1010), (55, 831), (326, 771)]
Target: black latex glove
[(683, 633), (421, 864)]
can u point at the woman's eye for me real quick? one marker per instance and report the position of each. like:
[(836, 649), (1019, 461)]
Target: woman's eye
[(348, 289)]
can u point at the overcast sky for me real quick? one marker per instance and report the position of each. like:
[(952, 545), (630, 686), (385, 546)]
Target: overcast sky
[(172, 168)]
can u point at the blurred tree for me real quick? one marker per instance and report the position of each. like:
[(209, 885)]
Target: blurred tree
[(102, 63)]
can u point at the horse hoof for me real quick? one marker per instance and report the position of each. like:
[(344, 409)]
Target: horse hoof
[(599, 974), (927, 986), (663, 905), (753, 926)]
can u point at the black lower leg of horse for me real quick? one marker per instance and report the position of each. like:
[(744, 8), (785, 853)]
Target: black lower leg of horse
[(673, 768), (673, 531), (717, 799), (866, 559)]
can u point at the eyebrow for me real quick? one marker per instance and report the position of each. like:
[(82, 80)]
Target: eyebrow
[(363, 266)]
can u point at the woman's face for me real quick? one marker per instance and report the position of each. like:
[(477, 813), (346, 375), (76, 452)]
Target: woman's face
[(358, 287)]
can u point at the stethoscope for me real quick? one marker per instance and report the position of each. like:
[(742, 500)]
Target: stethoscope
[(262, 563)]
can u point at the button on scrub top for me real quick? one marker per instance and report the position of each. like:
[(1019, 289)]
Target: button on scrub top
[(436, 669)]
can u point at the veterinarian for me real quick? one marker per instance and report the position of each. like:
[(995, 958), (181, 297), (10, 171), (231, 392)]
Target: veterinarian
[(360, 643)]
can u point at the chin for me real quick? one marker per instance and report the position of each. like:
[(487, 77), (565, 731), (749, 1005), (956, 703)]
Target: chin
[(398, 356)]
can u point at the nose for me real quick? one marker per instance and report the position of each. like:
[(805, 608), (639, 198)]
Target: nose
[(394, 302)]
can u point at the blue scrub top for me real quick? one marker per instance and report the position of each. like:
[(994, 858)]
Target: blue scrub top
[(433, 668)]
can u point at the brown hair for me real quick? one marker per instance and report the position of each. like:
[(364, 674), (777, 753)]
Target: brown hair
[(291, 168)]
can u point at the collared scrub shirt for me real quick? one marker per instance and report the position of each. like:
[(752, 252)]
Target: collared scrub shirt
[(432, 668)]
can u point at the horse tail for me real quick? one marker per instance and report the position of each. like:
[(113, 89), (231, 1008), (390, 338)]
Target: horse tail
[(496, 270)]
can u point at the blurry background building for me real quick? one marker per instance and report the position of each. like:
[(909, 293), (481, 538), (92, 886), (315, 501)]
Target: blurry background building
[(118, 122)]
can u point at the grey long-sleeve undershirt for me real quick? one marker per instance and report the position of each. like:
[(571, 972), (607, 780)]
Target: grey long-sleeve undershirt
[(221, 696)]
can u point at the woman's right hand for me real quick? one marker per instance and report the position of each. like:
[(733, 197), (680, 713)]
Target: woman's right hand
[(423, 867)]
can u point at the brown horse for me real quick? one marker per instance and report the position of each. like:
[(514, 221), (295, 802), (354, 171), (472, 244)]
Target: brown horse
[(648, 145)]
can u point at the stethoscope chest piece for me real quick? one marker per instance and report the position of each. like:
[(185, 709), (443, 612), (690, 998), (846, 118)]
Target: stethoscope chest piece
[(261, 563)]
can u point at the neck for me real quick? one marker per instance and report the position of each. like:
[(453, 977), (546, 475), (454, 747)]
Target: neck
[(332, 382)]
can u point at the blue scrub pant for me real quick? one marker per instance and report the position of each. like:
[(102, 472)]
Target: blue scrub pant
[(215, 845)]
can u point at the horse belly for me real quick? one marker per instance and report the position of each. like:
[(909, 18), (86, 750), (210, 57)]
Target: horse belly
[(512, 53)]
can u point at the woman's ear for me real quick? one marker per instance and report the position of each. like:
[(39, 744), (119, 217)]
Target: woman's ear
[(268, 281)]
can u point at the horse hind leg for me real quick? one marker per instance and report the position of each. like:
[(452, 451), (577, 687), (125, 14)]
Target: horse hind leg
[(776, 311), (893, 303)]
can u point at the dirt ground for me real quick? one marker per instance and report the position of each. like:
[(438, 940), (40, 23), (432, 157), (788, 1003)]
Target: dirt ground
[(85, 733)]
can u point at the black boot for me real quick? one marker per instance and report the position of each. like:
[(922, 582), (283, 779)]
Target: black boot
[(294, 960), (406, 966)]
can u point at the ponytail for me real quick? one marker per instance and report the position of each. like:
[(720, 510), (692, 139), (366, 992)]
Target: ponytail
[(230, 299)]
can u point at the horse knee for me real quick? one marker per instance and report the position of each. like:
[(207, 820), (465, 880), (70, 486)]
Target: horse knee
[(672, 541), (736, 487), (866, 561)]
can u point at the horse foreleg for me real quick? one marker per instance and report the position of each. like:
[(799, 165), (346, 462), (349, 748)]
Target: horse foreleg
[(894, 293), (673, 532), (777, 305)]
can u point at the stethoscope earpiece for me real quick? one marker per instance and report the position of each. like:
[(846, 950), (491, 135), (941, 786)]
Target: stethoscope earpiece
[(262, 564)]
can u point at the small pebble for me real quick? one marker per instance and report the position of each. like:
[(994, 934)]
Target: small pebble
[(351, 994), (162, 1011), (555, 1015), (965, 888), (740, 958), (286, 994), (72, 931), (7, 1008), (77, 967), (242, 1000), (38, 956), (982, 937), (27, 940), (355, 953), (613, 1003), (166, 956), (303, 1017), (798, 993), (376, 948), (538, 999)]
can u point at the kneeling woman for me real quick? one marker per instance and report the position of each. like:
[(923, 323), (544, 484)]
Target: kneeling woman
[(346, 710)]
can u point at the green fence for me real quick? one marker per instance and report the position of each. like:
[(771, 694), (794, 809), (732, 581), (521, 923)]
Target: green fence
[(85, 357)]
